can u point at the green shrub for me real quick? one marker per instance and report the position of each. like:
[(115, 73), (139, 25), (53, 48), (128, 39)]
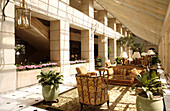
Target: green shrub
[(155, 60), (118, 60), (150, 83), (50, 77)]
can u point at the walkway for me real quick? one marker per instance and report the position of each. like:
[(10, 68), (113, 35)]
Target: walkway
[(22, 99)]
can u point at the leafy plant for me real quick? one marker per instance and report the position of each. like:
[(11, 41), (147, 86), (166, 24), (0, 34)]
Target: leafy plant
[(150, 84), (155, 60), (137, 47), (126, 41), (109, 50), (50, 77), (118, 60), (98, 59)]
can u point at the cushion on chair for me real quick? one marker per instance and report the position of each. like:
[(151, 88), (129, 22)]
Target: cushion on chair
[(134, 72), (121, 71), (110, 71), (108, 64), (92, 73), (81, 70)]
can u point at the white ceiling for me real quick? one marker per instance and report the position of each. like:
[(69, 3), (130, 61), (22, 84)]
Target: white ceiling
[(144, 18)]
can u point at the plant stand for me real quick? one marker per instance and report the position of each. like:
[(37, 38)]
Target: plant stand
[(49, 102)]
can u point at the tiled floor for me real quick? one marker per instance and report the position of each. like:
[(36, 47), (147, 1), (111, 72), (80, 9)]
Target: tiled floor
[(22, 99)]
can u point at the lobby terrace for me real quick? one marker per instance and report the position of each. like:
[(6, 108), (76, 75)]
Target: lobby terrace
[(66, 34)]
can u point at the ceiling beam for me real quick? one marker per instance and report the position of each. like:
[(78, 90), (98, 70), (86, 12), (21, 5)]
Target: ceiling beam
[(142, 8), (138, 24), (133, 15), (140, 32), (118, 6), (133, 26), (155, 4), (162, 1), (154, 8)]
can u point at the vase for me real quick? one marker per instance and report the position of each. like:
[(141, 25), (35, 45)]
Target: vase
[(50, 92), (99, 64), (145, 104)]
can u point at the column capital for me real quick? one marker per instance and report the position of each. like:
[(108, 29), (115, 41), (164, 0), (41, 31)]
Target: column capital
[(119, 24), (112, 20), (102, 17), (112, 23), (87, 7)]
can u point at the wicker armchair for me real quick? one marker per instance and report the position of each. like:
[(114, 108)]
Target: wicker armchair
[(83, 71), (119, 79), (108, 64), (92, 90)]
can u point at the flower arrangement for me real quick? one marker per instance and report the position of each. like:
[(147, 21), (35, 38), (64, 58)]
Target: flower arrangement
[(98, 59), (44, 65), (77, 62), (39, 66)]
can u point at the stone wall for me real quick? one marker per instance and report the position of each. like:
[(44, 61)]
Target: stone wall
[(7, 52), (27, 78)]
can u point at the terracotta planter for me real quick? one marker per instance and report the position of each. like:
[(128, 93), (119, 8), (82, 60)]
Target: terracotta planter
[(145, 104), (50, 93)]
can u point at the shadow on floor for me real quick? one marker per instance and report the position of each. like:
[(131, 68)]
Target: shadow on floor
[(69, 101)]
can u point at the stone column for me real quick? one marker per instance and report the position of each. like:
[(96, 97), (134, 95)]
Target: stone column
[(131, 34), (87, 36), (111, 55), (112, 42), (87, 47), (119, 49), (166, 54), (87, 7), (112, 23), (115, 49), (102, 40), (119, 28), (103, 49), (59, 46), (102, 17), (123, 30), (163, 51), (128, 33), (7, 53)]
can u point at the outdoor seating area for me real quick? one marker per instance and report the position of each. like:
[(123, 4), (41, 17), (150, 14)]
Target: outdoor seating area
[(84, 55)]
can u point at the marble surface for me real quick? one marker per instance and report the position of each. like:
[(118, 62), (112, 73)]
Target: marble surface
[(163, 79), (121, 99), (23, 98)]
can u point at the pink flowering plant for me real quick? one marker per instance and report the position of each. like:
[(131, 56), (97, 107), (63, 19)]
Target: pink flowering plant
[(77, 62), (38, 66), (98, 59)]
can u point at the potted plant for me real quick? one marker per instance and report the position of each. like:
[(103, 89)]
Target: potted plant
[(50, 81), (154, 60), (98, 61), (118, 60), (151, 97)]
